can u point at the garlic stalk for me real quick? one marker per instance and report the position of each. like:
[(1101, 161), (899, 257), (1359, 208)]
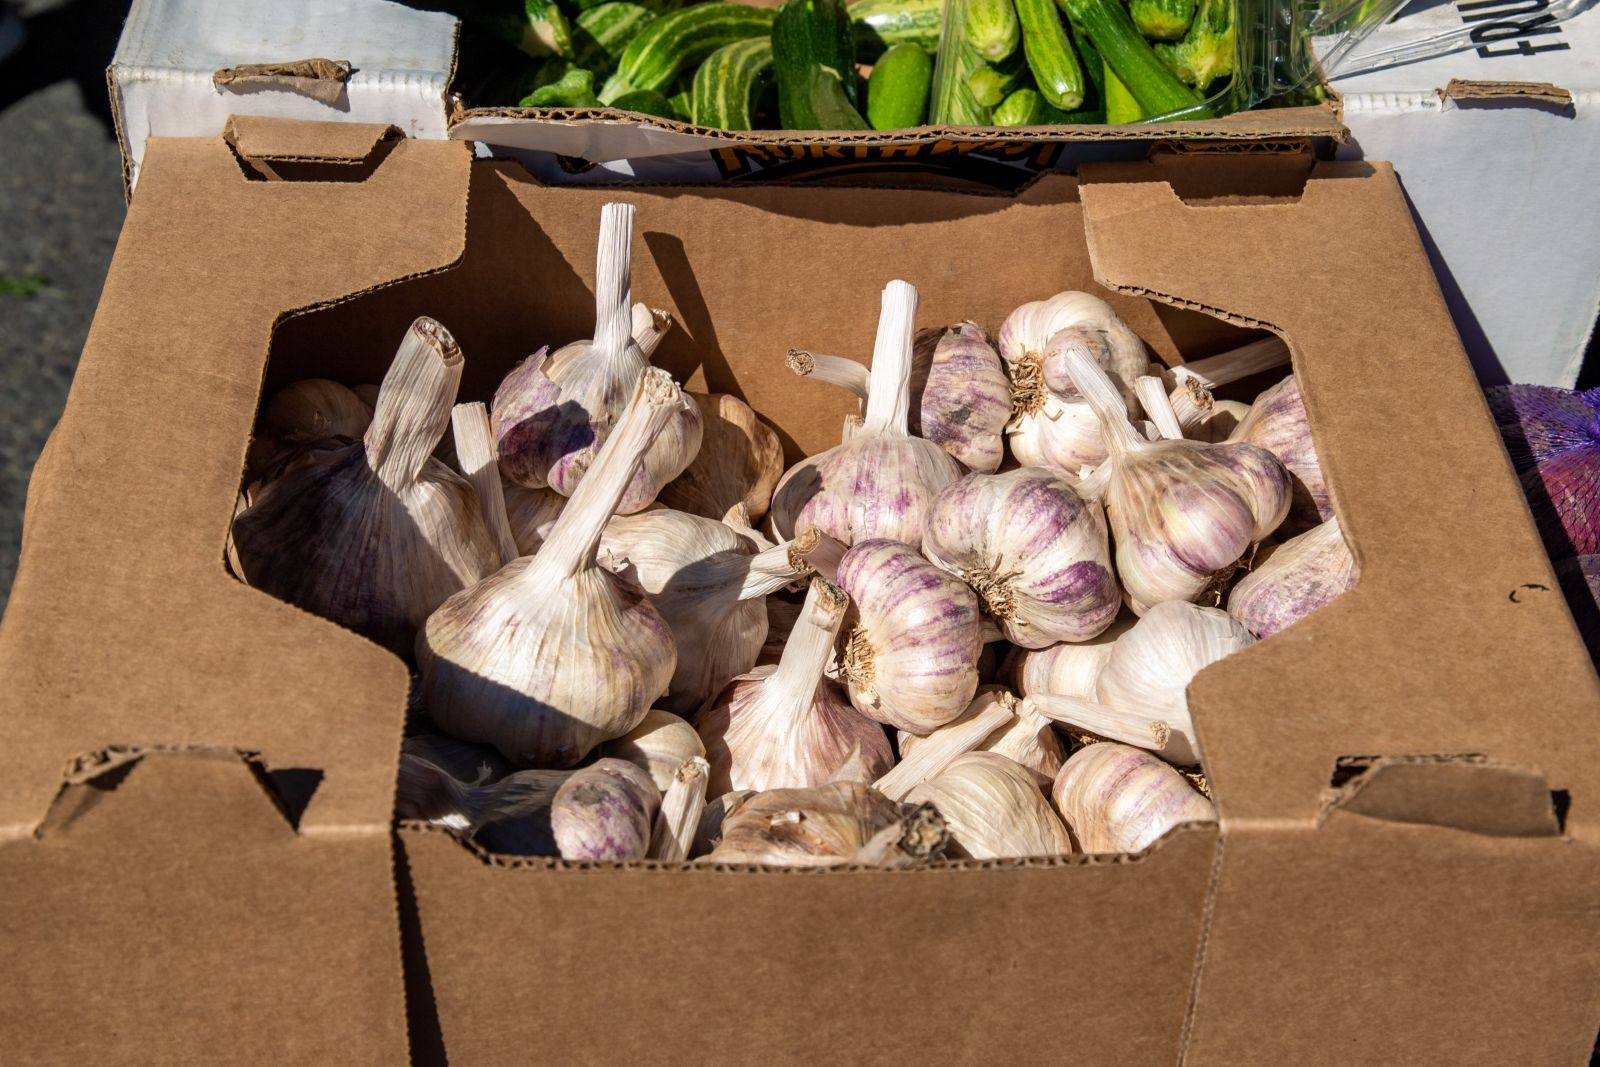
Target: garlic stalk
[(553, 416), (1067, 669), (841, 823), (926, 757), (910, 661), (1277, 422), (376, 534), (473, 764), (530, 513), (739, 462), (681, 807), (1121, 799), (1034, 552), (1152, 394), (1213, 372), (475, 453), (1182, 513), (1202, 416), (605, 811), (659, 745), (1027, 738), (788, 727), (879, 481), (552, 654), (994, 809), (1296, 578), (648, 326), (510, 815), (314, 409), (814, 552), (1141, 696)]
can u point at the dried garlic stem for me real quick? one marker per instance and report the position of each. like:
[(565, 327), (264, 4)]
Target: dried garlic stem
[(1098, 392), (813, 551), (414, 403), (649, 325), (1192, 402), (476, 453), (1152, 393), (1219, 370), (888, 409), (934, 752), (1170, 735), (613, 286), (681, 808), (835, 370), (771, 569)]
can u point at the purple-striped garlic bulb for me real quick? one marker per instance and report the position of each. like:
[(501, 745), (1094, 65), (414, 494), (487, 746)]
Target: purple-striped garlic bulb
[(994, 809), (375, 534), (552, 415), (1183, 513), (739, 462), (1027, 738), (1067, 669), (1033, 550), (605, 811), (789, 726), (1121, 799), (1553, 436), (878, 482), (1277, 422), (1298, 577), (826, 826), (552, 654), (911, 659)]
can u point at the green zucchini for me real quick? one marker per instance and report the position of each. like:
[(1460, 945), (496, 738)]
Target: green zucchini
[(601, 33), (681, 99), (1025, 107), (1206, 52), (674, 42), (953, 104), (810, 36), (1163, 20), (993, 82), (1110, 27), (1093, 108), (897, 91), (646, 102), (881, 24), (830, 105), (728, 82), (992, 28), (1120, 105), (575, 89), (1044, 41)]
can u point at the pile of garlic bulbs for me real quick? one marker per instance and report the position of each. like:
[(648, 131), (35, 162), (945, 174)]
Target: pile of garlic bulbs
[(966, 631)]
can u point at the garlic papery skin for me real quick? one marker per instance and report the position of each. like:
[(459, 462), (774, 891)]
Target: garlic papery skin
[(474, 440), (552, 416), (877, 483), (552, 654), (1026, 737), (463, 760), (789, 727), (510, 815), (375, 535), (1036, 554), (1067, 669), (530, 513), (911, 658), (314, 409), (709, 832), (1141, 694), (1296, 578), (605, 811), (994, 809), (739, 462), (1182, 513), (926, 757), (682, 804), (963, 397), (832, 825), (1277, 422), (1119, 799), (648, 326), (659, 745)]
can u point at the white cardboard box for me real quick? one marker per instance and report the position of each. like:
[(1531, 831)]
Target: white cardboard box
[(1498, 148)]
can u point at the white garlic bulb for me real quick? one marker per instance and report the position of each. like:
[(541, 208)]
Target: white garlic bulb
[(1277, 422), (375, 535), (552, 654), (1067, 669), (926, 758), (1026, 738), (788, 727), (1294, 579), (1182, 513), (659, 745), (605, 811), (878, 482), (910, 661), (553, 415), (531, 513), (739, 462), (1034, 552), (832, 825), (314, 409), (1121, 799), (709, 831), (994, 809)]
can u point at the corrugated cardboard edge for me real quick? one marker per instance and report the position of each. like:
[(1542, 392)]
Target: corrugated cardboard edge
[(1471, 89), (278, 140)]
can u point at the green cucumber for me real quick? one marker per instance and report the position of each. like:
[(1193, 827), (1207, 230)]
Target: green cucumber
[(728, 82), (1162, 20), (897, 91), (675, 42), (1111, 28), (993, 82), (1055, 67), (882, 24), (575, 89), (601, 33), (1120, 105), (809, 36), (645, 102), (992, 28), (1025, 107)]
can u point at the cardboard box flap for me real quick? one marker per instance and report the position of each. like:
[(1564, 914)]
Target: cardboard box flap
[(1470, 794), (1393, 408), (124, 627), (1461, 89), (258, 138)]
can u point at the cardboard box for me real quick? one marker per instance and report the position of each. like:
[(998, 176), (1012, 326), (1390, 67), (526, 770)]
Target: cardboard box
[(1497, 146), (1407, 849)]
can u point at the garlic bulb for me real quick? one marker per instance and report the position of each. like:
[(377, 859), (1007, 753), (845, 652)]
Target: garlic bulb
[(1277, 422), (1295, 579), (659, 745), (1182, 512), (552, 654), (1121, 799), (829, 826), (709, 831), (531, 513), (682, 804), (314, 409), (605, 811), (510, 815), (1026, 738), (462, 760), (911, 659), (1035, 553), (926, 758), (375, 535), (788, 727), (1141, 695), (994, 809), (1067, 669), (879, 481), (553, 415), (739, 462), (367, 394)]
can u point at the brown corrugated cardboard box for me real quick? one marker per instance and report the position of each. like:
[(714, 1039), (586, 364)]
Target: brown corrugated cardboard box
[(1405, 865)]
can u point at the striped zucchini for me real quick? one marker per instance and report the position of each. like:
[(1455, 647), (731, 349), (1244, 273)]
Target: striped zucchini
[(646, 102), (811, 36), (993, 82), (674, 42), (991, 26), (1025, 107), (728, 83), (601, 33), (953, 104), (1049, 52), (881, 24), (1162, 20)]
